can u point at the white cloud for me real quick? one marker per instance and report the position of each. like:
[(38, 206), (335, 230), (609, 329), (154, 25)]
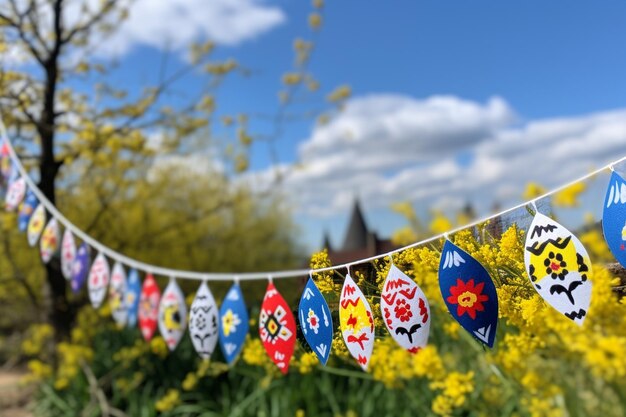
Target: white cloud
[(160, 23), (171, 23), (389, 148)]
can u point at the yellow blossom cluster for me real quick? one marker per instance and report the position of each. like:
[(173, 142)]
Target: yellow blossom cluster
[(170, 400), (324, 280), (206, 368), (38, 371), (307, 362), (536, 348), (39, 336), (540, 362), (454, 389)]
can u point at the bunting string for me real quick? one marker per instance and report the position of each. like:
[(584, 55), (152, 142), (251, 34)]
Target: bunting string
[(556, 262), (236, 276)]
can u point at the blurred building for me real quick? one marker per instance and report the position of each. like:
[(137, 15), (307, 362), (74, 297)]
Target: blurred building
[(359, 242)]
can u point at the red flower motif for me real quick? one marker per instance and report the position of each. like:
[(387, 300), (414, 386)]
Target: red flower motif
[(467, 297), (403, 310)]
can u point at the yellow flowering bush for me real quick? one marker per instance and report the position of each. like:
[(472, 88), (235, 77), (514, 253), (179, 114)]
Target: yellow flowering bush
[(542, 364)]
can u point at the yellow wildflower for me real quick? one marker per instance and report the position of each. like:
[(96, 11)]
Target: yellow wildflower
[(427, 363), (159, 347), (170, 400), (440, 223), (307, 362), (254, 353), (569, 196), (315, 20), (190, 381), (533, 190)]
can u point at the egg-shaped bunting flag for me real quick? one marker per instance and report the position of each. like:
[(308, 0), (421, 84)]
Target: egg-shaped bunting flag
[(98, 280), (172, 314), (80, 268), (203, 328), (148, 313), (316, 321), (469, 293), (117, 290), (233, 323), (15, 194), (405, 310), (277, 328), (356, 322), (131, 297), (559, 267), (49, 243), (614, 217), (6, 163), (68, 253), (14, 175), (28, 206), (36, 224)]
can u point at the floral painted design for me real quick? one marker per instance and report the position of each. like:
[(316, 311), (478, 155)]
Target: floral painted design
[(313, 320), (403, 310), (230, 321), (555, 266), (468, 297)]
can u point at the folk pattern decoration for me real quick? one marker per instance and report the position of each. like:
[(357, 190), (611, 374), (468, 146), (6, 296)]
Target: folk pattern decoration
[(233, 323), (117, 290), (80, 268), (6, 163), (15, 194), (131, 297), (36, 224), (316, 321), (49, 243), (172, 315), (28, 206), (469, 293), (277, 328), (356, 322), (68, 253), (614, 217), (559, 268), (203, 319), (148, 313), (98, 281), (405, 310)]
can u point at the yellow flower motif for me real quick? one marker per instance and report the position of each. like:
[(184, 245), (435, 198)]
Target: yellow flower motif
[(230, 321)]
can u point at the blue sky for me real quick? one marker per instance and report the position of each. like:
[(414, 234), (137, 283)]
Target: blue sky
[(452, 101)]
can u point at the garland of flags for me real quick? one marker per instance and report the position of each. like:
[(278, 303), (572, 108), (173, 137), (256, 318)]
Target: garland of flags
[(556, 262)]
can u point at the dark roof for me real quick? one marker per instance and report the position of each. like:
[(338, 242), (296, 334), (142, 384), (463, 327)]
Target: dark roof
[(326, 243), (377, 246), (359, 243), (356, 236)]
